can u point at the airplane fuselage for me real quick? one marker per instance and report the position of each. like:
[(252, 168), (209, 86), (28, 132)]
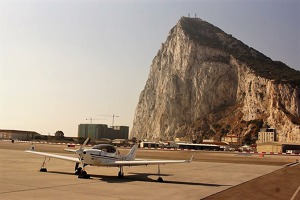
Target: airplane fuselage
[(99, 158)]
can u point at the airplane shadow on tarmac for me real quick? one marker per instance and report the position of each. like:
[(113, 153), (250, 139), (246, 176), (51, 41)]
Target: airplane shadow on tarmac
[(131, 177)]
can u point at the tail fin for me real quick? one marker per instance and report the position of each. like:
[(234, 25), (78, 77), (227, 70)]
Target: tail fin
[(132, 153)]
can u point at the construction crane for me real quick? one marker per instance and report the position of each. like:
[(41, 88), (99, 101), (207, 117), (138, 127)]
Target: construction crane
[(91, 119), (113, 118)]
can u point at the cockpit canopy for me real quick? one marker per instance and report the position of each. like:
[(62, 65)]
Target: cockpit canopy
[(105, 147)]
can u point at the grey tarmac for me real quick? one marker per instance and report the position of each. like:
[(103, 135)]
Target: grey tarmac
[(20, 178)]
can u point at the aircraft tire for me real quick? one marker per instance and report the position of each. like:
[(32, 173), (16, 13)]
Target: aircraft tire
[(160, 179), (120, 175), (84, 175), (43, 170)]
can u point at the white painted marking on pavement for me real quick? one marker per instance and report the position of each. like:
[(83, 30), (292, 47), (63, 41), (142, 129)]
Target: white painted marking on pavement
[(295, 194)]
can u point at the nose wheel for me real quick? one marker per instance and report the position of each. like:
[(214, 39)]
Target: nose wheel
[(84, 175), (81, 172)]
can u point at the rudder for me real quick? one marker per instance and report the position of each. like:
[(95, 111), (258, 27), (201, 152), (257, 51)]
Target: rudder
[(132, 153)]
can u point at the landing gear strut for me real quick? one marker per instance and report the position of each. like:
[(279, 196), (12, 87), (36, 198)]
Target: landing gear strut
[(121, 172), (160, 179), (43, 167)]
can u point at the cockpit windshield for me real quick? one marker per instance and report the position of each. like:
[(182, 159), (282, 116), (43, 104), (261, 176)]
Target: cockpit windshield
[(105, 147)]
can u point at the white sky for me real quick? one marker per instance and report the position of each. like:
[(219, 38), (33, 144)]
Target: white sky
[(63, 61)]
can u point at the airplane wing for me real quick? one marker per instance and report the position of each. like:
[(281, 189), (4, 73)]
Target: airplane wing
[(68, 158), (71, 150), (149, 162)]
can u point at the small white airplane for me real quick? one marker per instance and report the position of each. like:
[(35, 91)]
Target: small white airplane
[(104, 155)]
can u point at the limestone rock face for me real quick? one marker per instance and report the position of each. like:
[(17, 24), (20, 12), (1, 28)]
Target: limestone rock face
[(205, 83)]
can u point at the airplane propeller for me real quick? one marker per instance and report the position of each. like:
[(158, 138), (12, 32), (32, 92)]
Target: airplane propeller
[(79, 152)]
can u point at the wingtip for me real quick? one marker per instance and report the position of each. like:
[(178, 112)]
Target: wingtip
[(31, 148)]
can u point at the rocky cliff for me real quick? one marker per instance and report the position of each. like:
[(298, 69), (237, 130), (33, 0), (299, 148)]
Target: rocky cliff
[(204, 83)]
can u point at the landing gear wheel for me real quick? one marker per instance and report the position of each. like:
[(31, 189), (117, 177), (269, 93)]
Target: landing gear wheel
[(84, 175), (78, 171), (43, 169), (121, 172), (160, 179), (120, 175)]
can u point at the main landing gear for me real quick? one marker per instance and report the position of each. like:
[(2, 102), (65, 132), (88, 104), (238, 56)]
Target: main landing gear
[(121, 172), (160, 179), (43, 167)]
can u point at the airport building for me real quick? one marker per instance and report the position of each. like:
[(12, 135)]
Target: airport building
[(267, 135), (100, 131), (278, 147), (213, 146), (232, 139), (17, 135), (267, 142)]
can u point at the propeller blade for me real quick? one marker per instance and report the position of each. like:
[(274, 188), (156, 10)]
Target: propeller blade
[(79, 151), (84, 143)]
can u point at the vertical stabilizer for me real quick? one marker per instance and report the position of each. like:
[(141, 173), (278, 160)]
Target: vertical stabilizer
[(132, 153)]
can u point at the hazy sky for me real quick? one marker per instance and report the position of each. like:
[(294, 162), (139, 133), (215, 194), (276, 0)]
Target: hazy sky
[(63, 61)]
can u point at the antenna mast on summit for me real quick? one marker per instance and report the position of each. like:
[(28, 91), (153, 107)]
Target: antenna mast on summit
[(195, 15)]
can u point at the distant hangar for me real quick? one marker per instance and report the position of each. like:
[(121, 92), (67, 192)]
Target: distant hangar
[(17, 134)]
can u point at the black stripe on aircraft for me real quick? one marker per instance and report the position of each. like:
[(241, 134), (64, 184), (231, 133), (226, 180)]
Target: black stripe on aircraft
[(104, 157)]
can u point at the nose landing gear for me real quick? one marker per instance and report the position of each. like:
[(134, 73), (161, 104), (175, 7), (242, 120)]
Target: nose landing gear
[(81, 172), (84, 175)]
